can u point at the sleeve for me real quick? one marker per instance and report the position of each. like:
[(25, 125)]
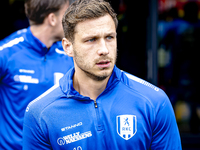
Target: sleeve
[(165, 133), (3, 60), (33, 136)]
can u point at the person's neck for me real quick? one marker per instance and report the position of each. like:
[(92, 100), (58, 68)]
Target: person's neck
[(87, 86), (43, 33)]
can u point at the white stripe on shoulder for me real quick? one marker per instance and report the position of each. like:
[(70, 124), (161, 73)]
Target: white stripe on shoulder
[(22, 31), (141, 81), (41, 96), (12, 43)]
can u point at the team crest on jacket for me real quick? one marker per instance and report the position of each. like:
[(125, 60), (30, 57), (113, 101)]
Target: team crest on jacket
[(126, 126)]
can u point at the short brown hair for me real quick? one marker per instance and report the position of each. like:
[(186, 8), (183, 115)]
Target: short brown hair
[(37, 10), (82, 10)]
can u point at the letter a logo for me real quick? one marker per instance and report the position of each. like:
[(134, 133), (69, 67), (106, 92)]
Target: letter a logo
[(126, 126)]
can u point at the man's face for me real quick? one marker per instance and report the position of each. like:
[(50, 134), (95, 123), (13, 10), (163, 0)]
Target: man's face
[(95, 47)]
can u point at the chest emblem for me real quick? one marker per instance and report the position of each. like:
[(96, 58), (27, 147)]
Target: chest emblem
[(126, 126)]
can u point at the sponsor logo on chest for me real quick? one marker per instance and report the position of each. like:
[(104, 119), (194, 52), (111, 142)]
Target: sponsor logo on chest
[(73, 138)]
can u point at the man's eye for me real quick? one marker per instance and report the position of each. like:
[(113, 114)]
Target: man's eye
[(109, 37), (91, 40)]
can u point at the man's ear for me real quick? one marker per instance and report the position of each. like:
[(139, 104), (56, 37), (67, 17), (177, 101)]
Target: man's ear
[(67, 46), (52, 20)]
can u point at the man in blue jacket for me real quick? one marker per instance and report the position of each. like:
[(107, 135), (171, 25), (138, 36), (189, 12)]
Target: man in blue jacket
[(97, 106), (31, 61)]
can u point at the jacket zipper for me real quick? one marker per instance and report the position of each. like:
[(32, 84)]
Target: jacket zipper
[(99, 124), (95, 104)]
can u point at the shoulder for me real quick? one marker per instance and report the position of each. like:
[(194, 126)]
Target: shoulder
[(36, 108), (39, 104), (11, 50), (13, 39), (13, 44), (158, 102), (156, 96)]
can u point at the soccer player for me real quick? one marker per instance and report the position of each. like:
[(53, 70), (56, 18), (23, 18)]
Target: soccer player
[(31, 61), (97, 106)]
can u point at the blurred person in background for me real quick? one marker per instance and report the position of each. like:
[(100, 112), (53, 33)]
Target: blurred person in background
[(31, 61)]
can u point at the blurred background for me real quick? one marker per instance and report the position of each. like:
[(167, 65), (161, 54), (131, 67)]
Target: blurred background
[(158, 40)]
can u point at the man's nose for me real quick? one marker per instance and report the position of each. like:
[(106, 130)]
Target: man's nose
[(102, 50)]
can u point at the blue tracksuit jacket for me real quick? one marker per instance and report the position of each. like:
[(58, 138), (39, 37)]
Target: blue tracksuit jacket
[(27, 69), (130, 114)]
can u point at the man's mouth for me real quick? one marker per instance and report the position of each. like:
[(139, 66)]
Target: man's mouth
[(103, 64)]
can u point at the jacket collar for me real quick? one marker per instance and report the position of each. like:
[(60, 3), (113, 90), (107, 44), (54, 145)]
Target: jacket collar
[(35, 44), (66, 83)]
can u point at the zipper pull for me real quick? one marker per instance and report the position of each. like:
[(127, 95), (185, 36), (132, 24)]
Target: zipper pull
[(95, 104)]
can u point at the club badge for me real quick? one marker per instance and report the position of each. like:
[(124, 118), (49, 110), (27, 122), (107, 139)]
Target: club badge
[(126, 126)]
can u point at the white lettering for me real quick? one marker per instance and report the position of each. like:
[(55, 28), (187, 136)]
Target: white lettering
[(78, 148), (26, 71), (74, 137), (72, 126), (25, 79)]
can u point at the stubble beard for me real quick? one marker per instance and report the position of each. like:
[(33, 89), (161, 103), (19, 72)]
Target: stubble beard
[(91, 75), (95, 77)]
